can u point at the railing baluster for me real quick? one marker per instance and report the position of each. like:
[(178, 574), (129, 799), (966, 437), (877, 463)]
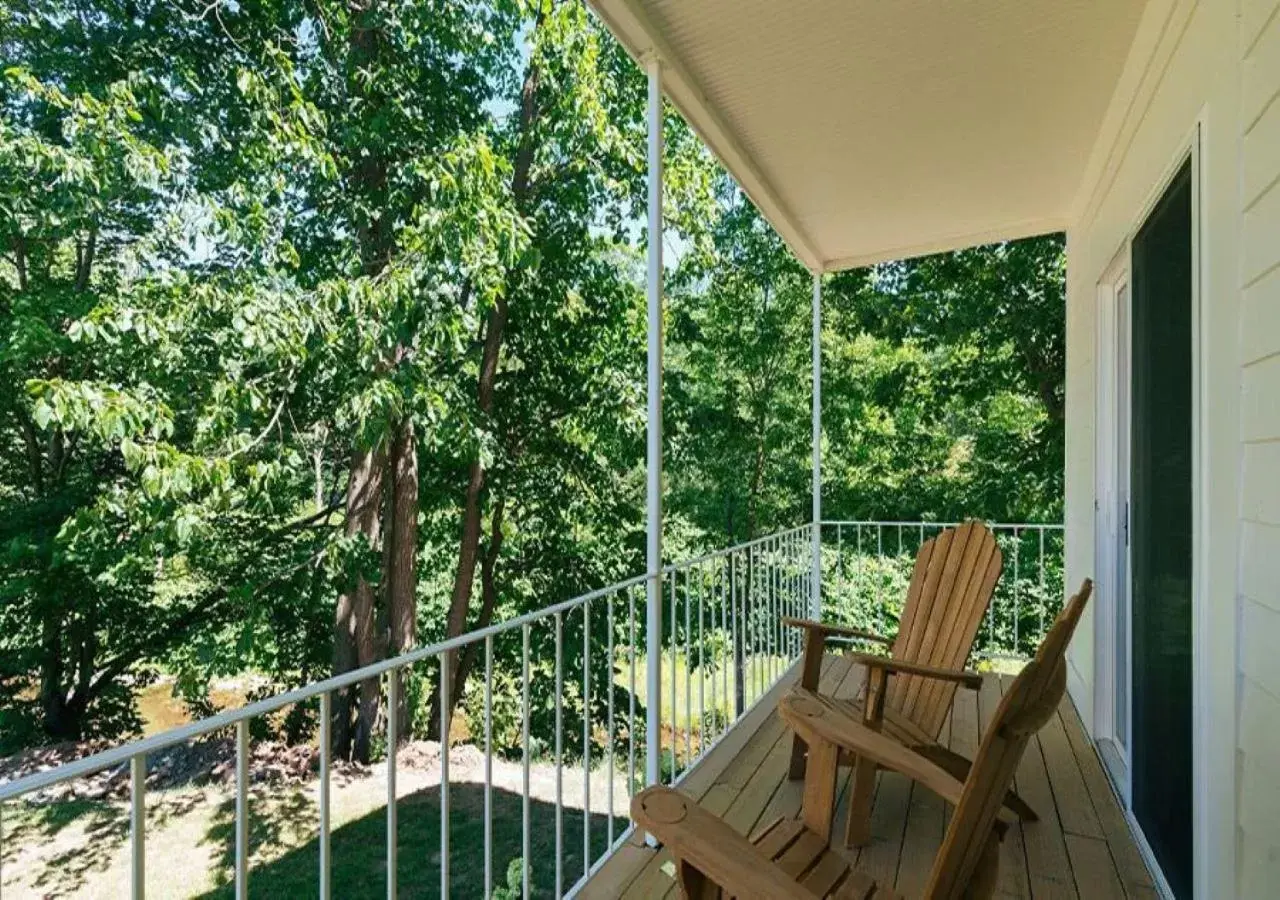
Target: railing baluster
[(326, 763), (675, 694), (1044, 598), (138, 825), (714, 590), (586, 738), (446, 688), (725, 667), (393, 737), (609, 740), (631, 700), (880, 576), (688, 676), (759, 601), (776, 612), (525, 839), (759, 596), (803, 605), (749, 628), (488, 766), (735, 701), (559, 702), (1017, 593), (859, 572), (242, 809), (840, 559), (801, 594), (771, 623), (702, 667)]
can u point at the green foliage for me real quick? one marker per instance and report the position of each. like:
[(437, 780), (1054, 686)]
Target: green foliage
[(239, 245)]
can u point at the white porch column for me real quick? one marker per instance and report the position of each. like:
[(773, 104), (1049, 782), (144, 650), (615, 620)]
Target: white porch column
[(816, 592), (653, 592)]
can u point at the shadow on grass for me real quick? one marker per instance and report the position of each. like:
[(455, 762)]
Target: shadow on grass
[(105, 825), (359, 849)]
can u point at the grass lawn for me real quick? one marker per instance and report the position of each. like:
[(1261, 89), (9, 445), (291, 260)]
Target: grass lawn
[(81, 847), (760, 672)]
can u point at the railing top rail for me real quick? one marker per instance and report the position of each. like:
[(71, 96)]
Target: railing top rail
[(1044, 526), (737, 548)]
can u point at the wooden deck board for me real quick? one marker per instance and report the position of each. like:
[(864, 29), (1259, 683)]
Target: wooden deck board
[(1081, 847), (926, 823), (1128, 859)]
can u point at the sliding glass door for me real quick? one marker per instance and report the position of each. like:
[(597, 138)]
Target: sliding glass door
[(1159, 530)]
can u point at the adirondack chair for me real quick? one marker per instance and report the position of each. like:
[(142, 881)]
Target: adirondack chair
[(909, 692), (794, 858)]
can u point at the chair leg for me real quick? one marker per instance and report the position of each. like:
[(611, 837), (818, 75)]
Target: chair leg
[(694, 885), (798, 755), (857, 828), (810, 673)]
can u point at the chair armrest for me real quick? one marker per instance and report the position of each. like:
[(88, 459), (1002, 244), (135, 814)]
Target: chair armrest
[(814, 717), (891, 666), (836, 630), (712, 847)]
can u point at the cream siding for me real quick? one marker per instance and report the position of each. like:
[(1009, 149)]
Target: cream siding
[(1258, 854), (1184, 73)]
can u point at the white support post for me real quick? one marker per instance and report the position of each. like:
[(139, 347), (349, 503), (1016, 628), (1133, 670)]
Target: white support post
[(653, 644), (816, 590)]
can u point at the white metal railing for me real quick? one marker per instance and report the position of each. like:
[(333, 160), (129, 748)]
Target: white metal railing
[(723, 647), (866, 566)]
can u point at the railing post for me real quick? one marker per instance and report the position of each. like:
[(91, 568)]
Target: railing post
[(815, 591), (242, 809), (138, 826), (653, 662), (326, 761)]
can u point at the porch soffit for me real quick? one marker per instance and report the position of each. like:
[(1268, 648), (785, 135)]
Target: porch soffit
[(867, 130)]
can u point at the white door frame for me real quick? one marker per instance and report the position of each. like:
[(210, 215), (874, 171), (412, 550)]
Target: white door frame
[(1203, 764), (1112, 568)]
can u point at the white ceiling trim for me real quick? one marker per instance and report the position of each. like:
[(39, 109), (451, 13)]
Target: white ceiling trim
[(631, 25)]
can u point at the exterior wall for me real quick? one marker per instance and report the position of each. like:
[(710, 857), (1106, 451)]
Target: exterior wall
[(1258, 848), (1184, 79)]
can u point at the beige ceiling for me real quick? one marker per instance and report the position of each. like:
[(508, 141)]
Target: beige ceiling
[(868, 130)]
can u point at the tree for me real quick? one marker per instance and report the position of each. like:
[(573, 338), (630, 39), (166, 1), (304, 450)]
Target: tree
[(324, 337), (740, 383)]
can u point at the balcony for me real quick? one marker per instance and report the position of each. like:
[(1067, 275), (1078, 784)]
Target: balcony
[(1081, 847), (532, 797)]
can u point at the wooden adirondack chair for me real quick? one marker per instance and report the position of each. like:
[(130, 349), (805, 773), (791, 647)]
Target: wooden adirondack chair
[(908, 693), (794, 858)]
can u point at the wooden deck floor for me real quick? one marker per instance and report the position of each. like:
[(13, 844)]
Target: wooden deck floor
[(1081, 847)]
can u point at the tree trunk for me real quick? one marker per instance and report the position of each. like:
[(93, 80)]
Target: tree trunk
[(495, 327), (57, 723), (466, 660), (402, 556), (353, 635), (356, 641)]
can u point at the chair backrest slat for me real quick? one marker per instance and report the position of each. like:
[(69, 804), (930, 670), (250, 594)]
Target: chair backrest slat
[(954, 578), (1031, 701)]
